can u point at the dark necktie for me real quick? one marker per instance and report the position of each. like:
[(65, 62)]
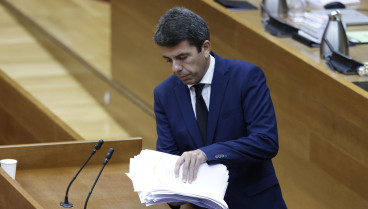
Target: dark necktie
[(201, 112)]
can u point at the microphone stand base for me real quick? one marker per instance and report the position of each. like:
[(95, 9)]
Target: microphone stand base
[(66, 204)]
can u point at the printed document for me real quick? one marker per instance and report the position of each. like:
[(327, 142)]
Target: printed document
[(153, 178)]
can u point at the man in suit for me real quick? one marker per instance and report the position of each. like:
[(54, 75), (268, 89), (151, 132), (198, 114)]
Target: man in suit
[(214, 110)]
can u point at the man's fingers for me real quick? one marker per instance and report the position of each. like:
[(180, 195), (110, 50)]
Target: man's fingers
[(196, 167), (190, 161), (199, 159), (191, 171), (186, 166), (177, 165)]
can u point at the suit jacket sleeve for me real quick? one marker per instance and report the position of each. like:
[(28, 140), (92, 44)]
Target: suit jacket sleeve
[(165, 143), (259, 141)]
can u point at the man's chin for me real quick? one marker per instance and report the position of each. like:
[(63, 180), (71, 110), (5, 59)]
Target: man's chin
[(187, 81)]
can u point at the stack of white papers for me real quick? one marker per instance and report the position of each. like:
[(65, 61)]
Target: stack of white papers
[(313, 26), (153, 178), (348, 16)]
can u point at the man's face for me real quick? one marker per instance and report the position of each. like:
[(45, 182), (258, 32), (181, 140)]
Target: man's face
[(186, 62)]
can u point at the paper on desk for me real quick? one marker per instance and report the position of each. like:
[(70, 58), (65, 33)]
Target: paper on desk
[(152, 175), (348, 16), (324, 2), (358, 36), (313, 26)]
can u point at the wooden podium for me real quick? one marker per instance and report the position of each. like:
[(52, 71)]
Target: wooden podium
[(45, 170)]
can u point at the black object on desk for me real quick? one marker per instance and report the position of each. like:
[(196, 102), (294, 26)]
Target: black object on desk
[(310, 43), (243, 5), (340, 62), (334, 5), (304, 40), (276, 26), (362, 84)]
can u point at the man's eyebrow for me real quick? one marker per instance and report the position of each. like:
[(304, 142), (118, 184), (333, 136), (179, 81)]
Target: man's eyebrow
[(182, 54), (179, 55)]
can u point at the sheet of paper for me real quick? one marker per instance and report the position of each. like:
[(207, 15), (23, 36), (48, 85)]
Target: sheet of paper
[(358, 36), (348, 16), (152, 175), (321, 3)]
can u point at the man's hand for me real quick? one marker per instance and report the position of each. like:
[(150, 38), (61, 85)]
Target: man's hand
[(191, 160)]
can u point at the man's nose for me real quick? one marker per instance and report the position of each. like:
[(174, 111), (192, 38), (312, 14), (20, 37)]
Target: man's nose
[(176, 66)]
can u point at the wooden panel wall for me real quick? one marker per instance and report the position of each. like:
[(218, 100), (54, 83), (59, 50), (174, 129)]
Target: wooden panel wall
[(130, 113), (12, 132), (136, 60), (26, 120), (321, 116)]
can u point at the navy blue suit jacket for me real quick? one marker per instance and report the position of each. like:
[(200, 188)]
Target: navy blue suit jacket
[(242, 131)]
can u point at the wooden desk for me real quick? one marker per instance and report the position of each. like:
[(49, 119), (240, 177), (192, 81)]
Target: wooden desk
[(45, 170), (321, 115)]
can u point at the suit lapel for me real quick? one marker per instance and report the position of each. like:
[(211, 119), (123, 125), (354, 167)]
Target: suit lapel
[(218, 89), (185, 106)]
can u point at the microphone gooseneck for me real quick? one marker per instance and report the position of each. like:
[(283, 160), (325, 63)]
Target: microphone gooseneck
[(108, 156), (66, 203)]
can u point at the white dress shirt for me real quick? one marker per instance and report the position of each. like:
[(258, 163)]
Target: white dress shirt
[(207, 80)]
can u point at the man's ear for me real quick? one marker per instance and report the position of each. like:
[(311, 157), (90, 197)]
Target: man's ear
[(206, 48)]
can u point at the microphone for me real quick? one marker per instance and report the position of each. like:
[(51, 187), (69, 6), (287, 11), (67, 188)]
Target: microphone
[(108, 156), (340, 62), (277, 26), (66, 203)]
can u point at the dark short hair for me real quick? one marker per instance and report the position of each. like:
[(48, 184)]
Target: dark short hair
[(179, 24)]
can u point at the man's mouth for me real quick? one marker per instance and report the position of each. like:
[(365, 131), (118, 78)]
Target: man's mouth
[(183, 77)]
